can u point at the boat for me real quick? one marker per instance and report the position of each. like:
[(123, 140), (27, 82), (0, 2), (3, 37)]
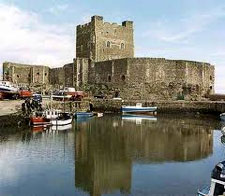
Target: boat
[(61, 128), (51, 114), (36, 120), (44, 118), (138, 109), (222, 116), (8, 90), (6, 86), (83, 114), (63, 119), (217, 182)]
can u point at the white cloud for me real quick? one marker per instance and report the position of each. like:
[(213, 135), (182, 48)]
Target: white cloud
[(181, 30), (25, 38), (58, 8)]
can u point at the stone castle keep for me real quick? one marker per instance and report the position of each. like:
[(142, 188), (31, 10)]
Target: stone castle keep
[(105, 63)]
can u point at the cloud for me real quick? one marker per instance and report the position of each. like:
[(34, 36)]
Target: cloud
[(58, 8), (25, 38), (181, 30)]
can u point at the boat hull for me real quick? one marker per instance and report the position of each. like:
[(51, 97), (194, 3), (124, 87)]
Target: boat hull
[(135, 109), (57, 122), (83, 114), (39, 121), (61, 128)]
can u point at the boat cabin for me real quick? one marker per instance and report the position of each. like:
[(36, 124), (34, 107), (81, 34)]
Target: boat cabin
[(52, 114)]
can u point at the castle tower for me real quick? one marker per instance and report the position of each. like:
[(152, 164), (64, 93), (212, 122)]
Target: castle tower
[(101, 41)]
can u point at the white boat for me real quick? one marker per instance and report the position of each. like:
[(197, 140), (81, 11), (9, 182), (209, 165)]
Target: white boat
[(6, 86), (52, 114), (138, 109), (217, 182), (63, 119), (222, 116), (61, 128)]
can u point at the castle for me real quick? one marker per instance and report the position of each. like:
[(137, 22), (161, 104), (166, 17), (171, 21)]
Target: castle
[(105, 63)]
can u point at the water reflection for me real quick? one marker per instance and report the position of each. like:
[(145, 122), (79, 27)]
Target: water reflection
[(105, 150)]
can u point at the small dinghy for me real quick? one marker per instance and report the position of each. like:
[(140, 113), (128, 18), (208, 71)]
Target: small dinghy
[(83, 114), (138, 109)]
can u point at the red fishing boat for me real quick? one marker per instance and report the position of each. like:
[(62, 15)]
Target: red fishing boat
[(38, 119)]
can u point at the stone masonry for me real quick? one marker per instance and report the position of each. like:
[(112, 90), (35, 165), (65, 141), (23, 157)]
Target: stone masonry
[(105, 63), (100, 41)]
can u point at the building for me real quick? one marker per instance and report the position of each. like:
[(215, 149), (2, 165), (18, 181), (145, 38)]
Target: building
[(105, 63)]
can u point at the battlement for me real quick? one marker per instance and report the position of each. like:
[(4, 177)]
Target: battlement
[(100, 40), (100, 20), (96, 18), (127, 24)]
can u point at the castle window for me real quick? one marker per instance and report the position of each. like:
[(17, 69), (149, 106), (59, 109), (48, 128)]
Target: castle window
[(28, 75), (210, 77), (109, 78), (210, 87), (122, 46), (197, 88), (123, 77), (45, 74), (38, 73), (18, 76), (108, 44)]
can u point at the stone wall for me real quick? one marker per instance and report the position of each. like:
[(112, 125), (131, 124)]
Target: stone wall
[(25, 74), (179, 107), (100, 41), (154, 78), (57, 77), (82, 67), (69, 74)]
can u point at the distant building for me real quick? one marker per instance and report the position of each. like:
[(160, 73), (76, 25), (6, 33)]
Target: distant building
[(105, 63)]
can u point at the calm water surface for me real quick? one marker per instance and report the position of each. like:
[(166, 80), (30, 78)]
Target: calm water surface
[(113, 155)]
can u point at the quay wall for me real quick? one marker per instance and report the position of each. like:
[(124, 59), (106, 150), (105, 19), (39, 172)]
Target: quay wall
[(204, 107), (14, 116)]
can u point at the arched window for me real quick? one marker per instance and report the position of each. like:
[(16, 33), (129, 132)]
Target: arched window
[(18, 76), (108, 44), (123, 77), (122, 46), (210, 77), (109, 78)]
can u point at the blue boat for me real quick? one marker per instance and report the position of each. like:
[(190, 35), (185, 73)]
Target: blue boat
[(138, 109), (83, 114)]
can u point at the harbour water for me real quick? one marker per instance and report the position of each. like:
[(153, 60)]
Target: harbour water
[(112, 155)]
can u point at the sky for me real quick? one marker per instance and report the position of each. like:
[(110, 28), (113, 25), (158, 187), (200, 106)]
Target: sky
[(43, 31)]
